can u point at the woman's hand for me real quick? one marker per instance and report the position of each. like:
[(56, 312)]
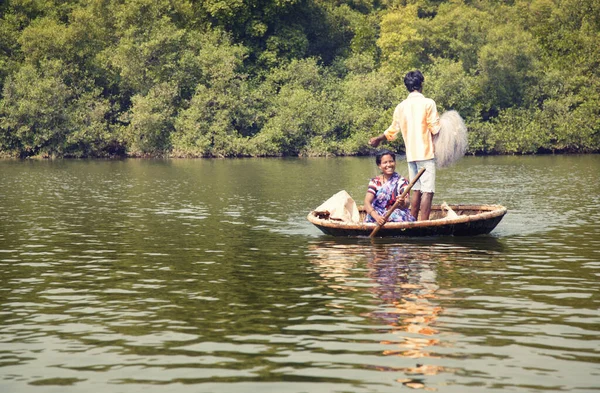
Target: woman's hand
[(405, 203), (377, 217), (373, 213)]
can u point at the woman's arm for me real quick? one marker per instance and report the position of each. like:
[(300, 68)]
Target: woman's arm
[(368, 206)]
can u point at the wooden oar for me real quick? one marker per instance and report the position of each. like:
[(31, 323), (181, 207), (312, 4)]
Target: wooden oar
[(397, 203)]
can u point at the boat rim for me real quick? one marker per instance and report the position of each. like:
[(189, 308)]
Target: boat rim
[(490, 211)]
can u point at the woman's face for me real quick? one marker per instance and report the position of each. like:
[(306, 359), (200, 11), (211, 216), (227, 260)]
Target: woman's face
[(388, 165)]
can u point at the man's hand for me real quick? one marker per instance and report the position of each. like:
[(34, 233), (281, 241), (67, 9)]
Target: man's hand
[(376, 140)]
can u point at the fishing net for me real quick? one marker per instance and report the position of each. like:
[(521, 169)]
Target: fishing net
[(450, 144)]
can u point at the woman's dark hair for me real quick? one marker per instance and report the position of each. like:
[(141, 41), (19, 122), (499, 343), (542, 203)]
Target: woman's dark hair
[(414, 81), (382, 153)]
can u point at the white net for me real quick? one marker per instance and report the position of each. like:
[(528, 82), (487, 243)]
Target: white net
[(450, 144)]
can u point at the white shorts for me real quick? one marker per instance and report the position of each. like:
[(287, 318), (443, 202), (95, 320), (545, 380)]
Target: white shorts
[(426, 182)]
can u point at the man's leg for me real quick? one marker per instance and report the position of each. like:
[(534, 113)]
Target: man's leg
[(426, 200), (415, 203), (415, 194), (427, 188)]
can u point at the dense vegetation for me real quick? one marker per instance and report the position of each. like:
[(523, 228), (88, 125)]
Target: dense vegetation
[(221, 78)]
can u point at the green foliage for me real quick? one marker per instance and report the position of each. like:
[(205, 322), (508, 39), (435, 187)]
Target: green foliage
[(42, 115), (572, 130), (151, 121), (146, 55), (208, 127), (45, 38), (517, 131), (454, 88), (289, 42), (298, 110), (366, 104), (402, 40), (508, 65), (220, 78), (221, 111), (10, 25), (460, 31)]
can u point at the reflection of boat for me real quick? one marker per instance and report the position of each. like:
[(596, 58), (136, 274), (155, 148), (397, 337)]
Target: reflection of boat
[(472, 220)]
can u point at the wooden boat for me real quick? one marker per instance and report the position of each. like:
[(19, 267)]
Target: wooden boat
[(472, 220)]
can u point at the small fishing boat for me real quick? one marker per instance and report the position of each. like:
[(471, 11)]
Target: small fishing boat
[(469, 220)]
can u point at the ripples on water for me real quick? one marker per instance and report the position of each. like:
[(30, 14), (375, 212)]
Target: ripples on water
[(193, 276)]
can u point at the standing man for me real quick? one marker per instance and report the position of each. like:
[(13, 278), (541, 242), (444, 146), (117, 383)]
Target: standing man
[(418, 120)]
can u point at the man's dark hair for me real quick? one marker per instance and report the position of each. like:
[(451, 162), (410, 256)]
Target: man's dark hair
[(414, 80)]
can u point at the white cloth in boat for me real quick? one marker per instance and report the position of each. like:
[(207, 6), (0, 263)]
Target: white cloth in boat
[(341, 207)]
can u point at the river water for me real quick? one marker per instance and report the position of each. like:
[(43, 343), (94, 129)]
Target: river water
[(204, 276)]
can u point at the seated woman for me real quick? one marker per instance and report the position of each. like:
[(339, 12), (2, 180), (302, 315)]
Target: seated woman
[(383, 191)]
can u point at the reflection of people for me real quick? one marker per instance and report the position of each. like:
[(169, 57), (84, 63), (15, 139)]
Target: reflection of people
[(404, 280), (383, 191), (418, 120), (409, 287)]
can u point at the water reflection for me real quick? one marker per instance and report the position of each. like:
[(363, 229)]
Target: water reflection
[(403, 281), (407, 286)]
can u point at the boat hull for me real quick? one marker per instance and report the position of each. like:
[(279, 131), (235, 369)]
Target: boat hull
[(472, 220)]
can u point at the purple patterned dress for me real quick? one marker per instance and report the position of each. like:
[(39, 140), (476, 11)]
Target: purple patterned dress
[(385, 196)]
